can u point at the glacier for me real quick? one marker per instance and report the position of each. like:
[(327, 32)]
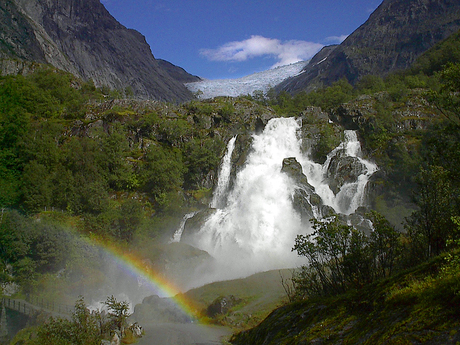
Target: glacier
[(260, 81)]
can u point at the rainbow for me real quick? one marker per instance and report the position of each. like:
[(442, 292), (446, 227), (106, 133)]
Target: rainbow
[(137, 267)]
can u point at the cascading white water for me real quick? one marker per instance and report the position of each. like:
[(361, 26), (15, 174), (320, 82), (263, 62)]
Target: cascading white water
[(351, 195), (256, 228), (178, 233), (220, 193)]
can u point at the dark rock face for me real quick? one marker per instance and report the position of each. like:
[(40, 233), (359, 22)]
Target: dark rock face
[(294, 170), (81, 37), (222, 305), (177, 73), (194, 224), (154, 308), (344, 170), (17, 38), (304, 199), (390, 40)]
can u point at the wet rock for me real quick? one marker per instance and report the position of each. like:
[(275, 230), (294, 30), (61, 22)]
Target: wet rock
[(194, 224), (327, 211), (135, 330), (305, 200), (115, 339), (359, 221), (307, 205), (156, 309), (344, 170), (239, 156), (294, 170), (222, 305)]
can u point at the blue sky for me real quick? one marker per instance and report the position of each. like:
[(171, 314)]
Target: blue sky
[(218, 39)]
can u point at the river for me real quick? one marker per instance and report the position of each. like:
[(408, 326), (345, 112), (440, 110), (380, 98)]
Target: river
[(183, 334)]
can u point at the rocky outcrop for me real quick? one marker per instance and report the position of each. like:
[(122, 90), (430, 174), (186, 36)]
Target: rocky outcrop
[(361, 114), (160, 310), (194, 224), (17, 35), (391, 39), (81, 37), (305, 201), (222, 305), (342, 170)]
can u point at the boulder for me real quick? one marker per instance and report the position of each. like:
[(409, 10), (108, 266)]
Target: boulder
[(194, 224), (157, 309), (304, 200), (342, 170), (293, 169), (222, 305)]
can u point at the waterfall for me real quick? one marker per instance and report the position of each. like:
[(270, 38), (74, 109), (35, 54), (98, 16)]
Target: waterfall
[(178, 233), (351, 195), (255, 229), (218, 200)]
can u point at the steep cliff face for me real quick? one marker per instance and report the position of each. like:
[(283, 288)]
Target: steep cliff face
[(178, 73), (391, 39), (81, 37), (17, 34)]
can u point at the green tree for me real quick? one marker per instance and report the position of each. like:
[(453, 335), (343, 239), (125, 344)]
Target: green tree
[(370, 84), (201, 156), (337, 258), (384, 245), (447, 99), (14, 245), (431, 225), (84, 328), (162, 171), (118, 313), (114, 146), (37, 188)]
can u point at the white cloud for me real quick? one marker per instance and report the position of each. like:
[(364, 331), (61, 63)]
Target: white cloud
[(286, 52), (336, 39)]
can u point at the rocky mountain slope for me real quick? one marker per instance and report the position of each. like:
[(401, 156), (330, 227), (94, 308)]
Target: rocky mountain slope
[(390, 40), (81, 37), (178, 73)]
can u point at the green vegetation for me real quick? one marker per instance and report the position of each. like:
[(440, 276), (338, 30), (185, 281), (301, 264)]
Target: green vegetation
[(257, 296), (80, 167), (63, 150), (341, 257), (85, 327), (414, 306)]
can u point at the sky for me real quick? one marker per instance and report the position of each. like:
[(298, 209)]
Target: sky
[(221, 39)]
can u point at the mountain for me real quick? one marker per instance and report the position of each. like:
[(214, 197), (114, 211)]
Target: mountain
[(81, 37), (178, 73), (395, 34), (261, 81)]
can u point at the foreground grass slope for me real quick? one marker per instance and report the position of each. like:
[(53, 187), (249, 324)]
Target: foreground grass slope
[(420, 305), (255, 297)]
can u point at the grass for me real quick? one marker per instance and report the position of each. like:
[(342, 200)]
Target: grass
[(420, 305), (259, 295)]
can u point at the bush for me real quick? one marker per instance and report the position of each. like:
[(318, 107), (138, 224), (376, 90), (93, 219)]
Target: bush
[(341, 257)]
